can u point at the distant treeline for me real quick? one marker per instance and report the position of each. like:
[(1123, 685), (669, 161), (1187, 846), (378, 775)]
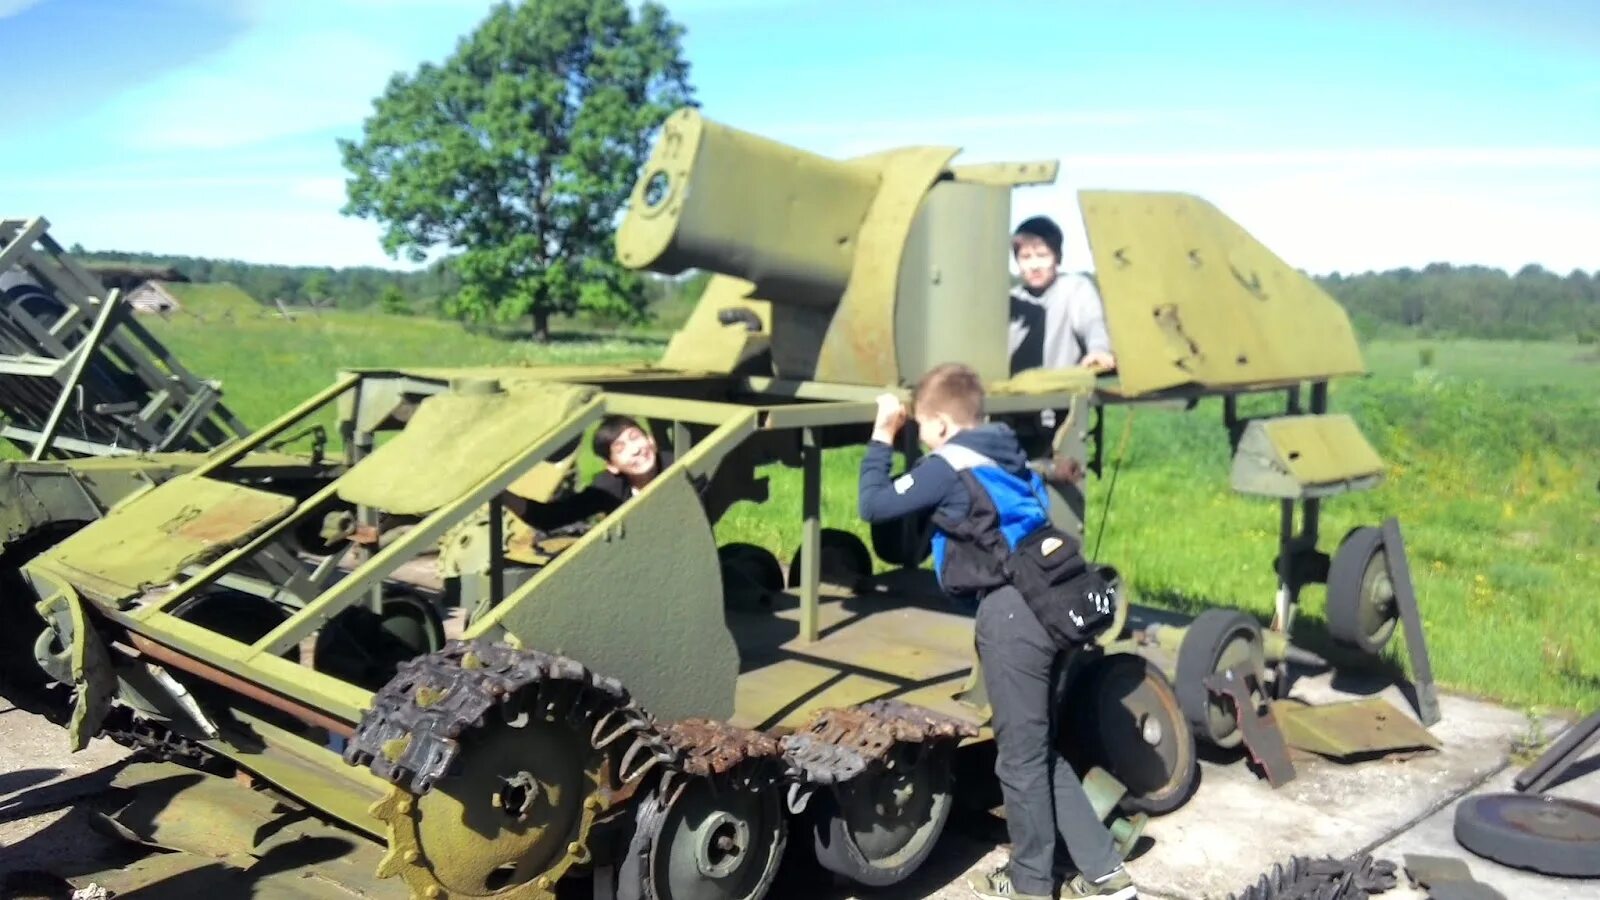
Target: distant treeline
[(1440, 300)]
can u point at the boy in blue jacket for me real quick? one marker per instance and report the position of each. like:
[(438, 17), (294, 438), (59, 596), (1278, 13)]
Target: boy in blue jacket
[(1021, 664)]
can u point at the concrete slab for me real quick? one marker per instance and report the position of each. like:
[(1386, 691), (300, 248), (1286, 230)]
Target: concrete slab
[(1234, 829)]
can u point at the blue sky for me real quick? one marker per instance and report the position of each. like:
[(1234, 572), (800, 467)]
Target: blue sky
[(1346, 135)]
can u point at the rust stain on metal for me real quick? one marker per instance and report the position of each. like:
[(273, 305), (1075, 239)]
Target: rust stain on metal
[(238, 685)]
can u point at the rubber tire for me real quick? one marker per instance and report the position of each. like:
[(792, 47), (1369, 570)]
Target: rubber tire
[(1093, 753), (836, 853), (886, 541), (1491, 839), (1345, 576), (1197, 659), (758, 562), (847, 552)]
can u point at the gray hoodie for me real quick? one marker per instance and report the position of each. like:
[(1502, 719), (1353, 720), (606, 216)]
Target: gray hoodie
[(1055, 329)]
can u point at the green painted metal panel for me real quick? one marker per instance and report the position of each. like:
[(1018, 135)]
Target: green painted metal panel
[(1192, 298), (950, 304), (1293, 457), (453, 442), (150, 539)]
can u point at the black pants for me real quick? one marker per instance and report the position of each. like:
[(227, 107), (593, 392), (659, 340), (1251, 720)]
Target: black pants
[(1044, 799)]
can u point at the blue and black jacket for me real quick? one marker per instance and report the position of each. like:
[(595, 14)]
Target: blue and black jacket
[(987, 461)]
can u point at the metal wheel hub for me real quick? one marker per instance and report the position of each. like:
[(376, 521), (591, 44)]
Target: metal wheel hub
[(701, 841), (724, 843)]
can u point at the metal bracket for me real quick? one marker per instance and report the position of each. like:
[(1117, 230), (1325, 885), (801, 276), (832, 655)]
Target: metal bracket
[(1561, 756), (1256, 722), (1405, 596)]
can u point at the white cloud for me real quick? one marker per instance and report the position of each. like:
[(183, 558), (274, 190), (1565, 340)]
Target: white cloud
[(12, 7), (260, 90)]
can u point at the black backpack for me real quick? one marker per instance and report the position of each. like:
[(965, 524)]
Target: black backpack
[(1075, 600)]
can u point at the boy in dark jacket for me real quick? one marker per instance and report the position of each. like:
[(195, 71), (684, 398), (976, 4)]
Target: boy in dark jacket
[(1021, 664), (632, 461)]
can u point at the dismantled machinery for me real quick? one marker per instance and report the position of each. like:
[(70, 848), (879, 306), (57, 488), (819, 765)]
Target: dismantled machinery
[(501, 710)]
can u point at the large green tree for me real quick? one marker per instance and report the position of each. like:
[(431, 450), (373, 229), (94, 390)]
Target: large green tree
[(516, 154)]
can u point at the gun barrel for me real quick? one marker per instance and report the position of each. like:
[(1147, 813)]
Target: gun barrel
[(716, 198)]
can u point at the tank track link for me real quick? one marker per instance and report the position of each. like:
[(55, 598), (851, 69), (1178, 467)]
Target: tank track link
[(410, 736), (1304, 878)]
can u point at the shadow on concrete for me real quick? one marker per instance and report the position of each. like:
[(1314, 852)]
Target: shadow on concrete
[(11, 782), (54, 796)]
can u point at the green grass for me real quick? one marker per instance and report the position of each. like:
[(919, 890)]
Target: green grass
[(1493, 472)]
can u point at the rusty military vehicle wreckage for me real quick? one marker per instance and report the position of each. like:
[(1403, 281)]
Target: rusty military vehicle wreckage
[(490, 712)]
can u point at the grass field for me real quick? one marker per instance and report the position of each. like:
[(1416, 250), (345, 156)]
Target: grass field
[(1494, 453)]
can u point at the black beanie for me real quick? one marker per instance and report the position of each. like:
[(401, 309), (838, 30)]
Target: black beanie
[(1045, 229)]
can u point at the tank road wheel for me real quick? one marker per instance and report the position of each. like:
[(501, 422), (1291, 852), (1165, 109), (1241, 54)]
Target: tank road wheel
[(1126, 720), (1217, 640), (890, 544), (845, 559), (879, 827), (700, 841), (1361, 606), (365, 649), (749, 572), (497, 780), (509, 825)]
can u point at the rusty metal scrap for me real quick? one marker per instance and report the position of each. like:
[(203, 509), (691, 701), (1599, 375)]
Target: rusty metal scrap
[(709, 747), (836, 745)]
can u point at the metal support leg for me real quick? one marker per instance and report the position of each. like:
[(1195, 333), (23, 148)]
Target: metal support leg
[(1538, 777), (811, 535), (1416, 644), (497, 557)]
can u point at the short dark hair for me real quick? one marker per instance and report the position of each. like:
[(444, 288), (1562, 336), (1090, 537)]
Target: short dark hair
[(953, 389), (1042, 228), (611, 428)]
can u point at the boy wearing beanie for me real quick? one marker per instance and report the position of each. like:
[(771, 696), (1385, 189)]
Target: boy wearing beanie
[(1057, 320)]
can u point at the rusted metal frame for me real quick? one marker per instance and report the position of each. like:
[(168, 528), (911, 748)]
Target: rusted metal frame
[(88, 448), (810, 536), (193, 414), (700, 461), (31, 366), (85, 351), (134, 331), (232, 453), (413, 542), (238, 685), (228, 560), (287, 678), (89, 285), (22, 242)]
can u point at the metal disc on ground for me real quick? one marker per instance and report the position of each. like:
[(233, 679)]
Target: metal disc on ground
[(1552, 835), (1362, 611), (1217, 640), (845, 559), (879, 827), (704, 843), (1125, 718)]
